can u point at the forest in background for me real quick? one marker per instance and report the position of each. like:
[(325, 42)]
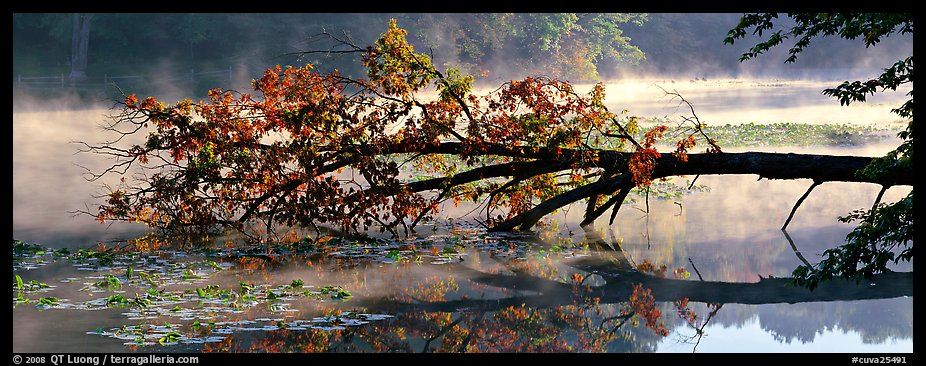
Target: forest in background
[(493, 47)]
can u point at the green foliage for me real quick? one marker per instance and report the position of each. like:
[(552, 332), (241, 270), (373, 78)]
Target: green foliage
[(111, 282), (454, 84), (211, 291), (882, 169), (335, 292), (170, 337), (141, 302), (393, 63), (565, 45), (189, 274), (901, 72), (213, 265), (19, 289), (394, 255), (793, 134), (245, 287), (872, 27), (101, 258), (34, 285), (885, 229), (116, 300), (21, 248), (48, 301), (882, 233)]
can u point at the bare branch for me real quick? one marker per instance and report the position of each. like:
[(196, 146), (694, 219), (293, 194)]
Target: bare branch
[(798, 203)]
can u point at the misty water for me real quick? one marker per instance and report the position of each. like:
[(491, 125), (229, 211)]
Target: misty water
[(443, 288)]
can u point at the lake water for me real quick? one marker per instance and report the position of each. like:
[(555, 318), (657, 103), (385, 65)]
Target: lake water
[(457, 288)]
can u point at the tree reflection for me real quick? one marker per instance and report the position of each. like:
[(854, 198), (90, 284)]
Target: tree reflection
[(875, 321), (497, 299), (584, 325)]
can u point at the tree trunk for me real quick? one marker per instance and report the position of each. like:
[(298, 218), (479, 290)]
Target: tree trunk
[(80, 41), (820, 168), (541, 160)]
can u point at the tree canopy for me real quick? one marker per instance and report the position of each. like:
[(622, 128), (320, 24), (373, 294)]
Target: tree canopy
[(564, 45), (325, 148)]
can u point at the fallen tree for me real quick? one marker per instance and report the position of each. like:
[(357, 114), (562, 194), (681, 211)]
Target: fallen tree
[(327, 149), (386, 151)]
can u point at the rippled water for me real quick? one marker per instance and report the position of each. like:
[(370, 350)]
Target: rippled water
[(456, 288)]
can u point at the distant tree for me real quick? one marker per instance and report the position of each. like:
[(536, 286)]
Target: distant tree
[(562, 45), (678, 43), (885, 232), (80, 42)]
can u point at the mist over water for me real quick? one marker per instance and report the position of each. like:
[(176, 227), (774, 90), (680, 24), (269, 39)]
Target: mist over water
[(49, 183), (735, 101)]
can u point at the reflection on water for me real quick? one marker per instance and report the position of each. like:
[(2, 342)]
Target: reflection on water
[(749, 328), (463, 291), (726, 232)]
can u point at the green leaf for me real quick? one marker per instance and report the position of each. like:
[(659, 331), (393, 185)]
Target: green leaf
[(48, 301), (245, 287), (171, 337), (189, 274), (116, 300), (19, 288)]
